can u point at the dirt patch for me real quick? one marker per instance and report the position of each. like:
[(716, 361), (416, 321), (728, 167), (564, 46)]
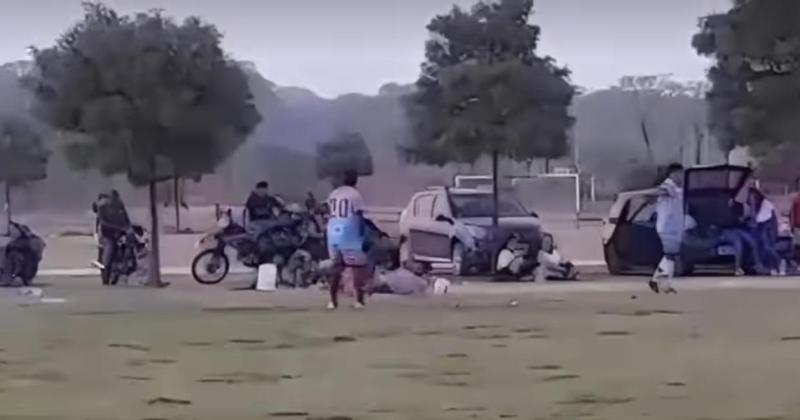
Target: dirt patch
[(592, 399), (168, 401), (456, 356), (244, 378), (136, 378), (343, 339), (558, 378), (246, 341), (283, 414), (545, 367), (675, 384), (613, 333), (128, 346)]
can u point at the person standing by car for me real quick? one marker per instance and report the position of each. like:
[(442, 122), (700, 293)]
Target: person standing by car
[(764, 223), (670, 227), (347, 247)]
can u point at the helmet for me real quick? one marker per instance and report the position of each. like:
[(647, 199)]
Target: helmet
[(295, 208)]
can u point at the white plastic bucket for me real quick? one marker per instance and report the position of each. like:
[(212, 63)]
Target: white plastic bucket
[(267, 278)]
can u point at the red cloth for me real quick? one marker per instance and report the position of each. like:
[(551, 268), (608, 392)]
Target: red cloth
[(796, 212)]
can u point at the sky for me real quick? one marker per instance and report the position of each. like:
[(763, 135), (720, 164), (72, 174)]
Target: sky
[(342, 46)]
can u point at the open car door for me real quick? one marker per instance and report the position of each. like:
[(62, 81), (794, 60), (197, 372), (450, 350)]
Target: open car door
[(635, 240)]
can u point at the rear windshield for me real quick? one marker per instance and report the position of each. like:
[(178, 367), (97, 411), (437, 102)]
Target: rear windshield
[(481, 205), (716, 179)]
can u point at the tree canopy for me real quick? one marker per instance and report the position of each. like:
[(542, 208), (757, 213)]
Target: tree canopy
[(484, 91), (345, 151), (23, 155), (755, 95), (155, 99)]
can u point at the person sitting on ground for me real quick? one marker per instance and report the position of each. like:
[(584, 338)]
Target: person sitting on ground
[(513, 260), (552, 266)]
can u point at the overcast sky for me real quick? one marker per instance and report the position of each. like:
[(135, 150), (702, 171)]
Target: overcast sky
[(340, 46)]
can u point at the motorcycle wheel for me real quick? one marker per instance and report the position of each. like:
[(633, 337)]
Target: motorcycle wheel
[(213, 263), (17, 264)]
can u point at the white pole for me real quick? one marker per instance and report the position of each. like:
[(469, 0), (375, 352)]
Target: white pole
[(578, 200), (592, 190)]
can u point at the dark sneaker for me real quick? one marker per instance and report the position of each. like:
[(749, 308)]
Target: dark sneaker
[(654, 286)]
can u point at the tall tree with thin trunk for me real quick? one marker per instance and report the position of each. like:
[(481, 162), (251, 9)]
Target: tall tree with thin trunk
[(23, 156), (484, 91), (153, 99)]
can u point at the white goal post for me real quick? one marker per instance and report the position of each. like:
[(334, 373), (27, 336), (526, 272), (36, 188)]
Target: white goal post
[(485, 182)]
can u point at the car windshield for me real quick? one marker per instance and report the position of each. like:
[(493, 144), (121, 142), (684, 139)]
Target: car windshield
[(480, 205)]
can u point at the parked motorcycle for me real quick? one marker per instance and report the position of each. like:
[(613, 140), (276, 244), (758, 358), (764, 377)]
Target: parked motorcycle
[(131, 254), (288, 243), (23, 251)]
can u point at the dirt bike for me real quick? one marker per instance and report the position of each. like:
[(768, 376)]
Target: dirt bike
[(286, 243), (132, 249), (23, 252)]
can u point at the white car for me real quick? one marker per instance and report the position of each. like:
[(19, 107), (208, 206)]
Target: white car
[(453, 226)]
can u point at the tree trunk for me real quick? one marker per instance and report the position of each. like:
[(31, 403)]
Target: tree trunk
[(176, 199), (155, 252), (546, 165), (8, 208)]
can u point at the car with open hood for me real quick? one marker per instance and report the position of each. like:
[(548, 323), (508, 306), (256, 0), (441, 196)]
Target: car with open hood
[(453, 227), (712, 203)]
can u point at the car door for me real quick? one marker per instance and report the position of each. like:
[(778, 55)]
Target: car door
[(430, 238), (635, 238)]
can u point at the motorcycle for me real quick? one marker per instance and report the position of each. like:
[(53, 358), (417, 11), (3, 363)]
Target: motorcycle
[(132, 251), (23, 251), (287, 243)]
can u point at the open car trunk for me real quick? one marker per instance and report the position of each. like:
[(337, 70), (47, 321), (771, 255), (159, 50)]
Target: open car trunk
[(710, 193)]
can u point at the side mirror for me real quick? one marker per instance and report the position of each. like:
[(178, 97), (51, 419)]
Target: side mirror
[(443, 218), (534, 214)]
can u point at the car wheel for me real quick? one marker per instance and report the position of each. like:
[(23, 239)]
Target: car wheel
[(613, 261), (457, 258)]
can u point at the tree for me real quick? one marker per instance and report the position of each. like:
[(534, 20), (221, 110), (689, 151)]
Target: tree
[(23, 156), (648, 91), (345, 151), (755, 96), (153, 99), (484, 91)]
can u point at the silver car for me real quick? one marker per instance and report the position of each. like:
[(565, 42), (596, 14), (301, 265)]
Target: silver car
[(453, 227)]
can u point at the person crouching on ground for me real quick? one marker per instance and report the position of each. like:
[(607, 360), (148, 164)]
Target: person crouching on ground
[(513, 260), (670, 227), (347, 246), (553, 266)]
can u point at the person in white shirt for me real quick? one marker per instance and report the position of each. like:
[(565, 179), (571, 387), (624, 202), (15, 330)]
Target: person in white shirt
[(670, 227), (764, 224), (346, 234)]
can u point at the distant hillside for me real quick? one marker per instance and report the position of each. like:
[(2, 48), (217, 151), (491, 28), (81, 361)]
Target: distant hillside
[(282, 148)]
